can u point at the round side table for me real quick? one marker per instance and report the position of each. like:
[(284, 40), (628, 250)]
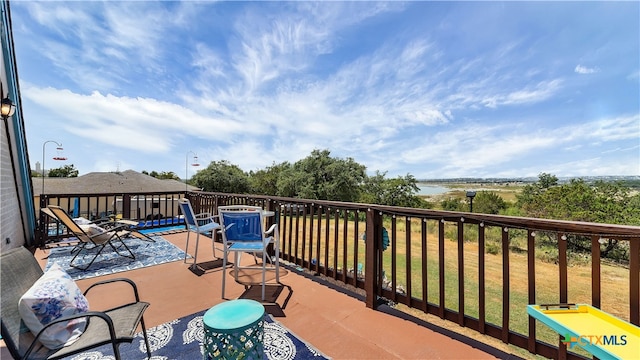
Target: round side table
[(234, 330)]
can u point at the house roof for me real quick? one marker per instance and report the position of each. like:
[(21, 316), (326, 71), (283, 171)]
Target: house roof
[(107, 182)]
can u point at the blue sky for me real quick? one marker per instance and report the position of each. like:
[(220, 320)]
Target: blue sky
[(432, 89)]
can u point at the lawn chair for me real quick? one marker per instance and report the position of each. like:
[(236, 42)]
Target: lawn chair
[(130, 225), (93, 236), (243, 231), (203, 223), (20, 270)]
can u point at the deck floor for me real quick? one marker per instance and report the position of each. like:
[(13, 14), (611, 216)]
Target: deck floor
[(334, 320)]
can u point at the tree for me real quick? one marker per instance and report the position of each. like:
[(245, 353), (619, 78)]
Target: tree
[(265, 182), (64, 171), (546, 181), (168, 175), (290, 182), (222, 176), (319, 176), (164, 175), (602, 202), (530, 196), (373, 189), (488, 202), (452, 204), (400, 191)]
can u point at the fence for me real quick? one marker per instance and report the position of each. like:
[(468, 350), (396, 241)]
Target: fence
[(477, 270)]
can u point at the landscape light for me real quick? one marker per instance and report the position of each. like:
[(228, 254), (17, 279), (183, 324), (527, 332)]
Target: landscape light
[(471, 195)]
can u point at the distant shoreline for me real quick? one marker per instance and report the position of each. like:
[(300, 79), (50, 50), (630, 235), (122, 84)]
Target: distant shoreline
[(436, 191), (524, 180)]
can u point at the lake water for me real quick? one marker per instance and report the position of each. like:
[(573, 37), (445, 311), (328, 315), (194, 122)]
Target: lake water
[(432, 189)]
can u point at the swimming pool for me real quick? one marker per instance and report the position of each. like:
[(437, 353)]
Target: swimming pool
[(164, 228), (161, 222)]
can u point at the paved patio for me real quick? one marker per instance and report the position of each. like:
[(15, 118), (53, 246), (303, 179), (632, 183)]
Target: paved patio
[(334, 320)]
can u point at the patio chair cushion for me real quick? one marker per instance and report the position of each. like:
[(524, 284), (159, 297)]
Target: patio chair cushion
[(82, 221), (92, 229), (52, 296)]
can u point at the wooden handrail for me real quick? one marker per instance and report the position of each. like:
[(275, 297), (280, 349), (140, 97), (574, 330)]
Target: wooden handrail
[(316, 234)]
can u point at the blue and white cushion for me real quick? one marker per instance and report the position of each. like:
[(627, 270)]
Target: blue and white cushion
[(54, 295)]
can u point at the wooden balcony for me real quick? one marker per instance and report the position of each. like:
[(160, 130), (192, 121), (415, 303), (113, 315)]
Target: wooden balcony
[(333, 319), (471, 274)]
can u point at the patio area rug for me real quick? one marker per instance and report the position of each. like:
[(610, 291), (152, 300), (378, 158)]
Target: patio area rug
[(108, 262), (182, 339)]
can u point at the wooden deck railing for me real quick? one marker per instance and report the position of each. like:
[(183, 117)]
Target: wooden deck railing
[(150, 209), (477, 270)]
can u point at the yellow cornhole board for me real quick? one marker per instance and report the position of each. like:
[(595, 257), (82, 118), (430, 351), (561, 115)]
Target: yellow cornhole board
[(601, 334)]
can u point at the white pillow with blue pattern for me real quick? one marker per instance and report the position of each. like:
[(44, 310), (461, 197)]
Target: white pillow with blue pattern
[(92, 229), (54, 295)]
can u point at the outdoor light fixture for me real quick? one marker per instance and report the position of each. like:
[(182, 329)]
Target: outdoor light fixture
[(7, 108), (471, 195), (57, 157), (186, 166)]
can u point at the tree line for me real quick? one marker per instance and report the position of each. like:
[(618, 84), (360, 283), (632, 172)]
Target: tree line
[(321, 176), (63, 171), (318, 176)]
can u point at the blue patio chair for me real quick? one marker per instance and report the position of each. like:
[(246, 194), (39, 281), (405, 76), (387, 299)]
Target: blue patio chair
[(243, 231), (203, 223)]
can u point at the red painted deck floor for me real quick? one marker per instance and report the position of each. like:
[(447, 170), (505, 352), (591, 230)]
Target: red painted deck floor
[(335, 321)]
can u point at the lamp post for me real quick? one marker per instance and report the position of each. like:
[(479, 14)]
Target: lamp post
[(55, 158), (186, 168), (471, 195)]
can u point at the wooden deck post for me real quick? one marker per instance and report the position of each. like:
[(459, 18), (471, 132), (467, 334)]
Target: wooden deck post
[(126, 207), (41, 237), (634, 281), (372, 249)]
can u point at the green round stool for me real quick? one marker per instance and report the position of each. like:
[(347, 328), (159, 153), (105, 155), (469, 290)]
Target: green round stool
[(234, 330)]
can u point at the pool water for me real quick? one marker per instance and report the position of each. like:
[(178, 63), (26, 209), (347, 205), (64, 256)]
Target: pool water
[(164, 228)]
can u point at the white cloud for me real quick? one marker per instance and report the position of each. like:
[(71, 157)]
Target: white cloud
[(141, 124), (580, 69), (634, 75), (532, 94), (613, 129), (256, 83)]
